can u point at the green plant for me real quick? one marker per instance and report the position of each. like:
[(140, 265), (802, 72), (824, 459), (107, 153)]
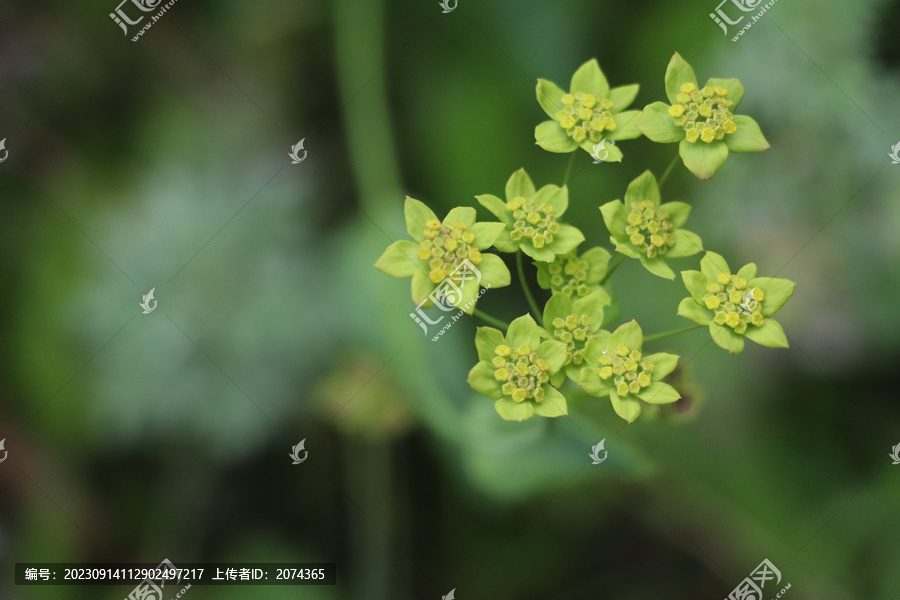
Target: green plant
[(525, 369)]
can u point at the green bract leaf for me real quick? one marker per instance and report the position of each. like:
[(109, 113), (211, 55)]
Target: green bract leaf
[(553, 404), (549, 96), (658, 267), (747, 138), (734, 87), (512, 411), (769, 334), (399, 259), (494, 271), (658, 126), (663, 363), (701, 159), (552, 138), (644, 187), (696, 283), (678, 73), (628, 408), (417, 214), (629, 334), (626, 127), (519, 184), (486, 341), (690, 309), (481, 379), (777, 292), (460, 214), (624, 95), (614, 217), (712, 264), (659, 393), (524, 331), (726, 338), (590, 80)]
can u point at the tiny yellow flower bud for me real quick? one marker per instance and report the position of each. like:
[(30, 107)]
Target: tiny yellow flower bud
[(676, 110), (643, 380), (437, 275), (589, 100), (622, 389), (692, 135), (687, 88), (723, 278), (502, 350), (433, 224), (519, 395), (498, 361), (708, 135), (568, 99), (567, 123), (622, 350), (501, 374)]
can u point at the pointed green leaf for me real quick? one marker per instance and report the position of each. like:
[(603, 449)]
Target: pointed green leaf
[(558, 306), (712, 264), (519, 184), (748, 272), (702, 159), (549, 96), (555, 196), (663, 364), (678, 73), (777, 292), (486, 233), (769, 334), (629, 334), (417, 214), (524, 331), (726, 338), (659, 393), (494, 272), (628, 408), (690, 309), (461, 214), (614, 217), (554, 352), (566, 240), (550, 136), (644, 187), (399, 260), (495, 205), (553, 404), (623, 96), (658, 267), (626, 126), (421, 287), (734, 87), (687, 243), (696, 283), (542, 254), (481, 379), (658, 126), (510, 410), (678, 212), (590, 80), (486, 341), (747, 138)]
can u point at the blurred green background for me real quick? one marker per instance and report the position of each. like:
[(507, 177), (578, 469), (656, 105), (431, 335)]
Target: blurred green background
[(163, 164)]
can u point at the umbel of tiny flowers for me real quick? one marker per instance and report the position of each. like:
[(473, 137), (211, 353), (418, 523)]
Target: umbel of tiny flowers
[(531, 219), (701, 120), (516, 370), (615, 366), (736, 305), (439, 249), (643, 228), (574, 323), (589, 113), (575, 275)]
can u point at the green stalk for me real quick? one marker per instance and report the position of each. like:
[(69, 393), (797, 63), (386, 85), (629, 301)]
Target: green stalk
[(528, 296), (614, 264), (665, 334), (668, 170)]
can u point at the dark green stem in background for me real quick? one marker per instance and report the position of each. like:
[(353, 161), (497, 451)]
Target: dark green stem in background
[(668, 170), (665, 334), (531, 301), (489, 319), (613, 265), (569, 168)]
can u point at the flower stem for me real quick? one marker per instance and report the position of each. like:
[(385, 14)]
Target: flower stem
[(489, 319), (569, 168), (614, 264), (528, 296), (665, 334), (668, 170)]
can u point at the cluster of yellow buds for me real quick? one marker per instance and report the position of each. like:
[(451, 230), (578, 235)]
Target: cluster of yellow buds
[(537, 223), (735, 305), (586, 116), (703, 113), (630, 374), (649, 229), (523, 372), (445, 247)]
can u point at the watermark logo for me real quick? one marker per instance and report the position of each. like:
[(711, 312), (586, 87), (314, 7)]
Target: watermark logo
[(149, 590), (895, 153), (895, 455), (600, 152), (595, 452), (723, 20), (145, 303), (6, 152), (3, 448), (445, 4), (447, 297), (295, 452), (123, 20), (450, 595), (296, 159), (751, 588)]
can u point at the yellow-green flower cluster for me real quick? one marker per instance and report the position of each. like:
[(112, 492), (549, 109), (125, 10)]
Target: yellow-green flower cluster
[(573, 331), (629, 373), (735, 304), (533, 221), (445, 247), (586, 116), (649, 229), (522, 372), (704, 114)]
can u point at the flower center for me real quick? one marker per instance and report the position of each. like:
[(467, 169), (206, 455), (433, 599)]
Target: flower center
[(574, 331), (569, 278), (703, 113), (523, 372), (537, 223), (586, 116), (629, 373), (445, 247), (734, 303), (649, 229)]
